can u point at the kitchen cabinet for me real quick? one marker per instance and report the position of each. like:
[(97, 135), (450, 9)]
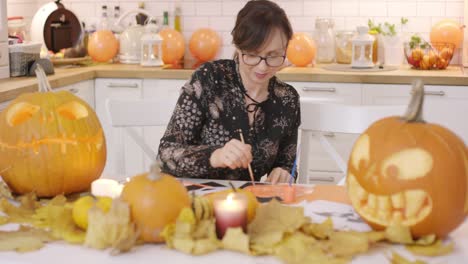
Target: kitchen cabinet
[(115, 88), (84, 90), (444, 105), (125, 158), (322, 168)]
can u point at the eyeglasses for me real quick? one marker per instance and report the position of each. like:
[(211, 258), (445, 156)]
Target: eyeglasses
[(272, 61)]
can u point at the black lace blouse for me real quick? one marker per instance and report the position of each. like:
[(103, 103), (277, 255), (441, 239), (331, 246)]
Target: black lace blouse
[(210, 111)]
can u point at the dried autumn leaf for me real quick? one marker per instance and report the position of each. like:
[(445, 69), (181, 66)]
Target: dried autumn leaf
[(24, 239), (346, 244), (398, 259), (399, 234), (189, 236), (16, 214), (113, 229), (375, 236), (426, 240), (3, 220), (436, 249), (205, 245), (5, 192), (300, 248), (294, 248), (236, 240), (320, 231), (272, 222), (56, 215)]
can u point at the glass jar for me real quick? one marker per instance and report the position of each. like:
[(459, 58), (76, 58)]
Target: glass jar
[(344, 46), (324, 40)]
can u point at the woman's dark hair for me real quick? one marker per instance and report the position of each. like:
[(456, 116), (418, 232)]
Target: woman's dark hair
[(254, 23)]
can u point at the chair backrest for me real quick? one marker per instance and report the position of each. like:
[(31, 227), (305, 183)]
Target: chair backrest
[(137, 126), (322, 122), (131, 113)]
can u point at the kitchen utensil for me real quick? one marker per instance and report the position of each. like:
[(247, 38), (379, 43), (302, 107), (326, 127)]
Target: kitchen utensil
[(130, 38), (55, 26)]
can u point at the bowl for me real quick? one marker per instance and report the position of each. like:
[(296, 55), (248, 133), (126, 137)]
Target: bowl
[(425, 56)]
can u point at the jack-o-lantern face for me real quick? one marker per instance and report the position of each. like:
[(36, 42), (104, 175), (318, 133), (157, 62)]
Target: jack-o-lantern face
[(404, 171), (50, 143), (411, 174)]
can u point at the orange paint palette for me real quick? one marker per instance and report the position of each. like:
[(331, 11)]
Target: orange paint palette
[(297, 193), (288, 194)]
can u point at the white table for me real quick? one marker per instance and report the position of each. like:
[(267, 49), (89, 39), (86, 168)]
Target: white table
[(60, 252)]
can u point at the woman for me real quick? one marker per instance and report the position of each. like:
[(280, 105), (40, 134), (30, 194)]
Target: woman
[(226, 98)]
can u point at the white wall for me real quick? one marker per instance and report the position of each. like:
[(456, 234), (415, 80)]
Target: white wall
[(220, 14)]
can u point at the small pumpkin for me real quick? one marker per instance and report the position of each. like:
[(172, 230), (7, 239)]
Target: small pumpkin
[(405, 171), (155, 200), (50, 143)]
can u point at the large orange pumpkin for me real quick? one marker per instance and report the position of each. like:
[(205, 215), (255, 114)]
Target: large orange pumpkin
[(404, 171), (155, 200), (50, 143)]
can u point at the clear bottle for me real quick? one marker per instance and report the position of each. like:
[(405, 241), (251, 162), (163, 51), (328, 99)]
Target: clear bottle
[(177, 18), (324, 40), (104, 21)]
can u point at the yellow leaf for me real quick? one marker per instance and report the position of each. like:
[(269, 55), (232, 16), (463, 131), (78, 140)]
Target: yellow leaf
[(273, 220), (24, 239), (436, 249), (5, 192), (236, 240), (113, 229), (399, 234), (320, 231), (398, 259), (348, 243)]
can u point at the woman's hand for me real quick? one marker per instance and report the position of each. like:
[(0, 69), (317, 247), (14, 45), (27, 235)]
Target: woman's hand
[(233, 155), (278, 175)]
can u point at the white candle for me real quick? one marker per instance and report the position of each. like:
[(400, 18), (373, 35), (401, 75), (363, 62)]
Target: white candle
[(230, 211), (106, 187)]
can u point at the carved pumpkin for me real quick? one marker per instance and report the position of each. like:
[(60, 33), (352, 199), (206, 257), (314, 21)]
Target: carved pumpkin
[(155, 200), (404, 171), (50, 143)]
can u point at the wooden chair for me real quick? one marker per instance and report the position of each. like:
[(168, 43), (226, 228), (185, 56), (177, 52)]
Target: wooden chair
[(324, 122), (135, 122)]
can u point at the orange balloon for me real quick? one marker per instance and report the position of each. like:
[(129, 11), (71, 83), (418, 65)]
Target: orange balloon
[(447, 30), (102, 45), (301, 50), (204, 44), (173, 46)]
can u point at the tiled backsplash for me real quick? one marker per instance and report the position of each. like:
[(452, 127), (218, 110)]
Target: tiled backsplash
[(220, 14)]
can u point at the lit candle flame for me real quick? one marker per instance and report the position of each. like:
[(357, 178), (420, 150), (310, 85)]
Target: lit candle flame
[(230, 197)]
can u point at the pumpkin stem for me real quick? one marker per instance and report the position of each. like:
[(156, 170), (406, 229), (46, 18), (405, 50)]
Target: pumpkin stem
[(155, 172), (43, 83), (232, 187), (415, 107)]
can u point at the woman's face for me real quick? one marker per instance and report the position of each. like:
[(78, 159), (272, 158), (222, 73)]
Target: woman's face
[(274, 49)]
